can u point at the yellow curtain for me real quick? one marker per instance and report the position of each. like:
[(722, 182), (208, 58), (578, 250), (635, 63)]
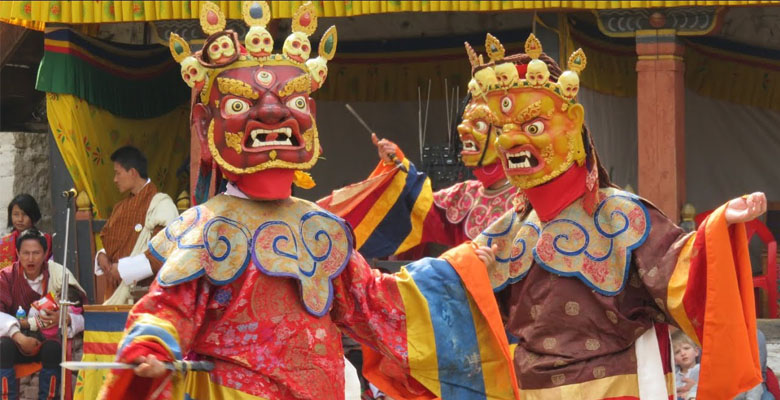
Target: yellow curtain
[(732, 76), (87, 135), (751, 80), (611, 67), (85, 12)]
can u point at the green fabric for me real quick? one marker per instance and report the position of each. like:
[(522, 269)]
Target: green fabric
[(127, 98)]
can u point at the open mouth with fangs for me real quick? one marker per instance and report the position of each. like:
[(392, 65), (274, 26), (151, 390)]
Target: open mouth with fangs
[(470, 145), (259, 137), (522, 160)]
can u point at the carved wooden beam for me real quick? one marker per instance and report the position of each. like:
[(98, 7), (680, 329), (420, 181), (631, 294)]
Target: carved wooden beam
[(685, 21)]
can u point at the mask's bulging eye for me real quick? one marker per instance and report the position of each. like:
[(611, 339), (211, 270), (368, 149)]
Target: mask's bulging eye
[(535, 128), (235, 106), (481, 126), (506, 104), (265, 78), (298, 103)]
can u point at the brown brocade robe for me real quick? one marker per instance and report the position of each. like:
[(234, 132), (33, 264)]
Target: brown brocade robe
[(600, 330), (576, 321)]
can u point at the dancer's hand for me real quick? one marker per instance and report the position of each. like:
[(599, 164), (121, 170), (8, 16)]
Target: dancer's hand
[(385, 148), (744, 209), (487, 254), (149, 367)]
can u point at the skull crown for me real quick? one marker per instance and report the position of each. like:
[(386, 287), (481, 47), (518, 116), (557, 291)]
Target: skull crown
[(222, 47), (501, 74)]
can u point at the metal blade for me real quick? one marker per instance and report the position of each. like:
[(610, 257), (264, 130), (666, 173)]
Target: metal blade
[(173, 366), (393, 157), (352, 110), (79, 365)]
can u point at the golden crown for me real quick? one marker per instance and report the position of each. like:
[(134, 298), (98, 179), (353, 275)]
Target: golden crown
[(222, 49), (501, 73), (481, 74)]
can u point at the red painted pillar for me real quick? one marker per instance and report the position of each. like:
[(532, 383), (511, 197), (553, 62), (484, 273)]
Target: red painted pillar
[(661, 119)]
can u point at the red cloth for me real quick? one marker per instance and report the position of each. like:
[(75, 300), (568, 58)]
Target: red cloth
[(271, 184), (772, 385), (142, 388), (551, 198), (8, 248), (489, 174)]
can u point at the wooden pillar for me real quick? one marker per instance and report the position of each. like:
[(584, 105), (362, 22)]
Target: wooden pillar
[(660, 92), (661, 119)]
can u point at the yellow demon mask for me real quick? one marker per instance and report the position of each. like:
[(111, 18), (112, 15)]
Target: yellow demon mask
[(541, 121), (478, 128)]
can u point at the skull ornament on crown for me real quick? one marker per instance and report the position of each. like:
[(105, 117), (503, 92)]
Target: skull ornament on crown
[(540, 119), (477, 129), (251, 109)]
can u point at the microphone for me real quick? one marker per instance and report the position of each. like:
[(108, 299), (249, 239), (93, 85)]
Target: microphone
[(69, 194)]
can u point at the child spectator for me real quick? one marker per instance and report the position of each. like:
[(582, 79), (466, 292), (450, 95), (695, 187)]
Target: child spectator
[(686, 374)]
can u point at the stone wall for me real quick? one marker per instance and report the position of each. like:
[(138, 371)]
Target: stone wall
[(24, 168), (7, 157)]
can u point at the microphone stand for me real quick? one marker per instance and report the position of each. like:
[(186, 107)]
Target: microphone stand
[(63, 302)]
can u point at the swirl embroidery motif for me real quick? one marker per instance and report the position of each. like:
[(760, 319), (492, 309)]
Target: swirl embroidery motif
[(326, 244), (313, 252), (595, 249)]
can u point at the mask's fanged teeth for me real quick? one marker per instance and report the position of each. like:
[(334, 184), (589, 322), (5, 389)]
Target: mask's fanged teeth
[(272, 137), (523, 159)]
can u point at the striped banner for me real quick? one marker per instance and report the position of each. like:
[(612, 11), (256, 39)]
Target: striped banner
[(130, 81), (103, 329)]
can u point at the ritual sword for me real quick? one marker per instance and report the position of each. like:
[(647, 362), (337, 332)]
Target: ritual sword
[(179, 366), (392, 156)]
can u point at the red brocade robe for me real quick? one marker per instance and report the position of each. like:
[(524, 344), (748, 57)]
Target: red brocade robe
[(265, 289), (581, 292), (393, 211)]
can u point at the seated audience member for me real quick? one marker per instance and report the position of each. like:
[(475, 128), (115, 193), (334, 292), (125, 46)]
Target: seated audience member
[(686, 376), (29, 318), (125, 257), (23, 214), (759, 392)]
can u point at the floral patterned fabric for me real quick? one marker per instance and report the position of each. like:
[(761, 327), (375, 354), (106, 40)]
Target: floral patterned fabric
[(468, 202)]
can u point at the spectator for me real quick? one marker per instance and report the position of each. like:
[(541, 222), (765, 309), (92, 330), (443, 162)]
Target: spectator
[(759, 392), (23, 214), (686, 376), (134, 220), (34, 337)]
